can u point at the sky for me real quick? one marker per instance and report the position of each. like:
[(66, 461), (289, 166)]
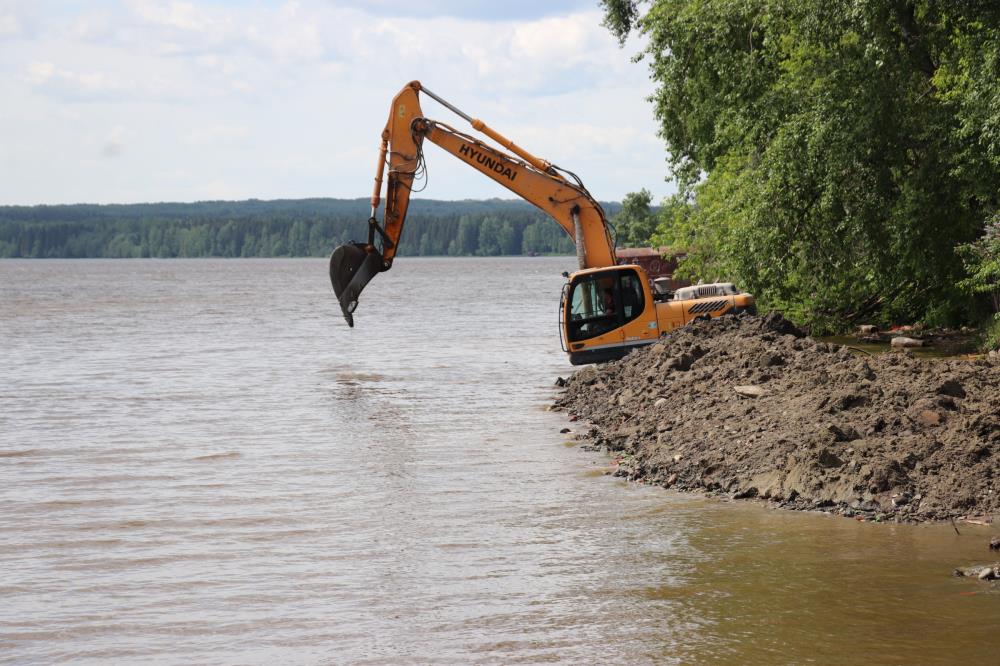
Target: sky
[(124, 101)]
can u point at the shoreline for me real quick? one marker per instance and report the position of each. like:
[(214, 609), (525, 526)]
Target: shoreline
[(750, 408)]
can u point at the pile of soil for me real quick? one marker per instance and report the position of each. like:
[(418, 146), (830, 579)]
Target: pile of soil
[(751, 407)]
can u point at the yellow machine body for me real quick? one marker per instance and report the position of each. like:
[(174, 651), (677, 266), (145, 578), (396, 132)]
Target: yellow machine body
[(607, 312), (607, 309)]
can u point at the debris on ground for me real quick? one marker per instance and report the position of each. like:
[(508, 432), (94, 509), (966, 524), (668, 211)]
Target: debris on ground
[(750, 407), (982, 572)]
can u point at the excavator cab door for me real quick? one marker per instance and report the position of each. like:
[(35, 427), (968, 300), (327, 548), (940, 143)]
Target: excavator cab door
[(601, 310), (593, 314)]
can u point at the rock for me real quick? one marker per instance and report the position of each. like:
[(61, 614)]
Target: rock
[(995, 543), (928, 417), (953, 388), (828, 459), (751, 391), (867, 329), (980, 572), (772, 360), (682, 362), (865, 370), (564, 431), (901, 342), (847, 400), (848, 434), (560, 382), (720, 428), (774, 321)]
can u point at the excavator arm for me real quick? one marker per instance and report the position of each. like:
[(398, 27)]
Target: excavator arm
[(558, 193)]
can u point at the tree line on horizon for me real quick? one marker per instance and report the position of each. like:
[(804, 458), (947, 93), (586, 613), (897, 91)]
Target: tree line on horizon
[(281, 228)]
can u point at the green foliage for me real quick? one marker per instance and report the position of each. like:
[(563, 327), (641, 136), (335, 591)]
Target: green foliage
[(831, 155), (991, 335), (982, 263), (635, 223), (543, 237), (306, 227)]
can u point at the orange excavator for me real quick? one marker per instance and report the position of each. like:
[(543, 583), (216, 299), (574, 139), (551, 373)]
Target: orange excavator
[(606, 309)]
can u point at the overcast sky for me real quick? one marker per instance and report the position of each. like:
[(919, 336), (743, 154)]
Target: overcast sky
[(140, 100)]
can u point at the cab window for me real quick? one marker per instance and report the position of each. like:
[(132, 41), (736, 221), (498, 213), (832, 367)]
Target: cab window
[(602, 302), (633, 301)]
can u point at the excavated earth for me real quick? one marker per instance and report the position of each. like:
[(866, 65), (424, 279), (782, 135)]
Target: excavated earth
[(751, 407)]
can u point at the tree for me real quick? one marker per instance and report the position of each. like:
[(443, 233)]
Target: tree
[(495, 238), (635, 223), (467, 239), (982, 261), (265, 228), (830, 154)]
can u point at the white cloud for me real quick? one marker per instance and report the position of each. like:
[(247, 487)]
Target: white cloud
[(178, 15), (289, 100), (216, 133), (69, 83), (555, 38), (114, 142), (509, 10), (10, 26), (39, 72)]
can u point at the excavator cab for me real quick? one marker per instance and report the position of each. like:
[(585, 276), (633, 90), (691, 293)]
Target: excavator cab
[(606, 308), (605, 312)]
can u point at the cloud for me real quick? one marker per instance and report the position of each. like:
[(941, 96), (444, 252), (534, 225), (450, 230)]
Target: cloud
[(10, 26), (209, 134), (185, 16), (289, 35), (67, 83), (288, 99), (114, 142), (509, 10), (540, 57)]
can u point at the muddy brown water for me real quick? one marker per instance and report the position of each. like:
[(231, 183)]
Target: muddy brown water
[(937, 349), (201, 463)]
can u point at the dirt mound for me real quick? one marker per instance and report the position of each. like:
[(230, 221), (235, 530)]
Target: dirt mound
[(753, 408)]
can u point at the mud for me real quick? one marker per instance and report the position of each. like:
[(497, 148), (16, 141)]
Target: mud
[(752, 408)]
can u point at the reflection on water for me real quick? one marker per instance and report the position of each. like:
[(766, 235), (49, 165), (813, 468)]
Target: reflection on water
[(200, 462)]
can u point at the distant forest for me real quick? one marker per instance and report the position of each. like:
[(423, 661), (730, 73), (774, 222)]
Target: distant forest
[(280, 228)]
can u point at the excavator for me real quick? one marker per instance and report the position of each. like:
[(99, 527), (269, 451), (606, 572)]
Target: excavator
[(606, 309)]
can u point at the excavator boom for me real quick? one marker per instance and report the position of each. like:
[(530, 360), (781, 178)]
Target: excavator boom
[(606, 309), (401, 162)]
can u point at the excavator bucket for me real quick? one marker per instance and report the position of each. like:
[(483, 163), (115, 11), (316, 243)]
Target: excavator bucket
[(352, 266)]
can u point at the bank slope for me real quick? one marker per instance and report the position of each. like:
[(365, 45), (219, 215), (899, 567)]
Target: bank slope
[(752, 408)]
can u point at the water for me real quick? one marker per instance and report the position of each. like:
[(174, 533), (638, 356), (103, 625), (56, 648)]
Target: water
[(940, 349), (201, 463)]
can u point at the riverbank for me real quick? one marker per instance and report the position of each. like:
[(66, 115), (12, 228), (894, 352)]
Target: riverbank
[(752, 408)]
